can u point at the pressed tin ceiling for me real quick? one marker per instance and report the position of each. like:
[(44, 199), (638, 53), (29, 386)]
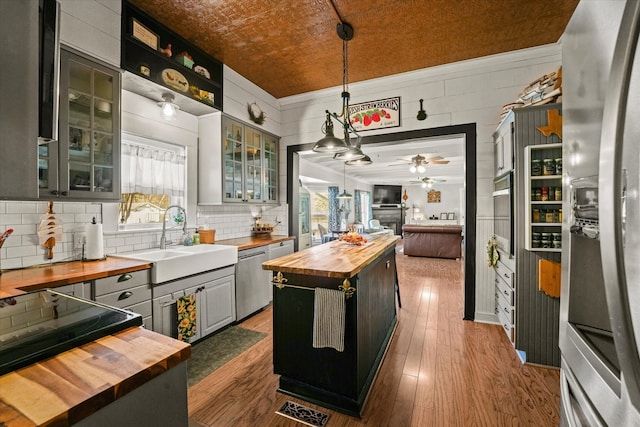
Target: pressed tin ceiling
[(288, 47)]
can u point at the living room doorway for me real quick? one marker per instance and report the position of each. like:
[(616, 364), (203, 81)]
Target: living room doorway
[(468, 131)]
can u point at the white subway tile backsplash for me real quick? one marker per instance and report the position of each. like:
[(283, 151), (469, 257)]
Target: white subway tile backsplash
[(23, 208)]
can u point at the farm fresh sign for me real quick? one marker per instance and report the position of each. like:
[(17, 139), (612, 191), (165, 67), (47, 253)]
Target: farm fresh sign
[(380, 114)]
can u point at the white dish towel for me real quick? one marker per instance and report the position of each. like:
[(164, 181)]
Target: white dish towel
[(329, 318)]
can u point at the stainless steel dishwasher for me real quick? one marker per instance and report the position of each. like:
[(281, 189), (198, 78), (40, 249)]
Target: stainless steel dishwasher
[(252, 282)]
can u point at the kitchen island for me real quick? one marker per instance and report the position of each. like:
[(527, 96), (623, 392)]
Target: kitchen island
[(131, 377), (367, 275)]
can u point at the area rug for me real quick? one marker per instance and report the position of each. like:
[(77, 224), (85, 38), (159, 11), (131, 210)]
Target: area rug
[(303, 414), (212, 352)]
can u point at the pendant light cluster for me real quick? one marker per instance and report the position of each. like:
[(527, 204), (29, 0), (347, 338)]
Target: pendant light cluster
[(344, 150)]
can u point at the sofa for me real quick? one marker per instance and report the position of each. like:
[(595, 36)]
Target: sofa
[(434, 241)]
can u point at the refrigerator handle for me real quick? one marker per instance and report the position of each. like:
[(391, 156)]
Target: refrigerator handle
[(611, 193)]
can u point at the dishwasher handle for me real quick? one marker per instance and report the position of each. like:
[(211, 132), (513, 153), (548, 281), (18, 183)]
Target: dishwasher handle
[(255, 254)]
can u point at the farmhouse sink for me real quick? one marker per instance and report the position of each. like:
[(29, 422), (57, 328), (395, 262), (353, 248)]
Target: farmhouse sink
[(182, 261)]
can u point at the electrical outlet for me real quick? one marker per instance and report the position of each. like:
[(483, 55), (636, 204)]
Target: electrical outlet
[(78, 240)]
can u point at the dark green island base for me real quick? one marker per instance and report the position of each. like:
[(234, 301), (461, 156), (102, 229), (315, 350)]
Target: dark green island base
[(325, 376)]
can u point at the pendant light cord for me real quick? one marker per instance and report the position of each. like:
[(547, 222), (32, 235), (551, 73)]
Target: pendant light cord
[(345, 66)]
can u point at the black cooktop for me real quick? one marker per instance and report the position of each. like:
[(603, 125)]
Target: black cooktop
[(41, 324)]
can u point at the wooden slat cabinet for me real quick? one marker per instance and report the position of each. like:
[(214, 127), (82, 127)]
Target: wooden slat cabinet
[(535, 316)]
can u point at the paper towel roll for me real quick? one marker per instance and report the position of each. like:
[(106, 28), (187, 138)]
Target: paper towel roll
[(94, 248)]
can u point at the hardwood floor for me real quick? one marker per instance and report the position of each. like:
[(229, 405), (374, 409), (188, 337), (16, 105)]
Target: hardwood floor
[(439, 370)]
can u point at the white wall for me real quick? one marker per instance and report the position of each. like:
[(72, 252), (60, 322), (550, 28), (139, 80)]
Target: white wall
[(449, 200), (98, 18), (471, 91)]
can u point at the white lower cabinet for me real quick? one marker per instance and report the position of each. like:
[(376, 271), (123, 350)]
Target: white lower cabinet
[(505, 299), (130, 291), (217, 305), (215, 302)]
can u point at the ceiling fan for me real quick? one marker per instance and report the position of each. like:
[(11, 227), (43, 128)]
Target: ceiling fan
[(427, 181), (418, 162)]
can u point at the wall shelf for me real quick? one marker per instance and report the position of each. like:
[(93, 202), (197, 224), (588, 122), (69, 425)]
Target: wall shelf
[(542, 217), (151, 72)]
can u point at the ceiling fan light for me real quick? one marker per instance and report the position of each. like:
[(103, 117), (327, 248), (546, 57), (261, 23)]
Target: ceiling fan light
[(424, 185), (421, 169), (412, 169)]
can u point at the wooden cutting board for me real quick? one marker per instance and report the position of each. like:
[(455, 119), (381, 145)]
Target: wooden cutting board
[(549, 274)]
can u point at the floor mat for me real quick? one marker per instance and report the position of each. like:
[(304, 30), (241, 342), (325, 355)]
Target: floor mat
[(303, 414), (214, 351)]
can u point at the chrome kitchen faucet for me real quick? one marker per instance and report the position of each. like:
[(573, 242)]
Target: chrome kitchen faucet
[(163, 238)]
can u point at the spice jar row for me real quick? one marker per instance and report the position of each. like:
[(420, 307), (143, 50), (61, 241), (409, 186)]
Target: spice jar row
[(546, 194), (546, 215), (546, 240), (546, 167)]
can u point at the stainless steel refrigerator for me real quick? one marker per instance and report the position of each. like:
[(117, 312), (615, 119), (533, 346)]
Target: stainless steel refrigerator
[(600, 300)]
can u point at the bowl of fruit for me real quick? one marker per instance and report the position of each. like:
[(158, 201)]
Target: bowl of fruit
[(353, 238)]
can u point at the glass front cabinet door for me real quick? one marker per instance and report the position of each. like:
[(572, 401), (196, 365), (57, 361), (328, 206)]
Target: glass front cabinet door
[(85, 164), (250, 162)]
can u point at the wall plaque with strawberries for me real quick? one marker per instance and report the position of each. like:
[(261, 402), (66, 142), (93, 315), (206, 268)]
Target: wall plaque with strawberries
[(380, 114)]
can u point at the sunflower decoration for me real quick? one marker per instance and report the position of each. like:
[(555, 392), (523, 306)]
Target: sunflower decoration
[(186, 306), (256, 115)]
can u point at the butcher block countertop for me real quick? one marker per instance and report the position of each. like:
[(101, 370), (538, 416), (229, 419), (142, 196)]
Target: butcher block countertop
[(253, 242), (17, 282), (335, 259), (67, 388)]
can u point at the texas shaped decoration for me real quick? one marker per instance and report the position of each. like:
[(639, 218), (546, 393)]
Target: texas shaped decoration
[(554, 120)]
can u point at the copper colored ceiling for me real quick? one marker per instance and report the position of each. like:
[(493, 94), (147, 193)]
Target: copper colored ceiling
[(289, 47)]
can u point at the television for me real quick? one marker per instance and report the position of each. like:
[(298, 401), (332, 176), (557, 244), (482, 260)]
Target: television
[(387, 194)]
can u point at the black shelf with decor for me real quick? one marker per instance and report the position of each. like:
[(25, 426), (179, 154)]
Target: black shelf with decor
[(197, 76)]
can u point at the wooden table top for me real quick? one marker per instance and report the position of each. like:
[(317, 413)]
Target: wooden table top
[(334, 259), (17, 282), (67, 388)]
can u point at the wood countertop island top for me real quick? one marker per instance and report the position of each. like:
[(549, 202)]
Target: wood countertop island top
[(73, 385), (335, 259), (251, 242), (18, 282)]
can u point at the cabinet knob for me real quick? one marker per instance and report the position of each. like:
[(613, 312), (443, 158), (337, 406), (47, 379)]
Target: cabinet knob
[(281, 243), (124, 295), (125, 277)]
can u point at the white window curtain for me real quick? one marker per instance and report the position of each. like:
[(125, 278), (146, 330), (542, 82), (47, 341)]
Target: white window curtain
[(152, 170)]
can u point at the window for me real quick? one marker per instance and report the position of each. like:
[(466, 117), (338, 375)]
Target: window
[(153, 178)]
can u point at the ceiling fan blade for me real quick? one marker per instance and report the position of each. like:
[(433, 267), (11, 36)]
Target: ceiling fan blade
[(438, 162), (432, 158)]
